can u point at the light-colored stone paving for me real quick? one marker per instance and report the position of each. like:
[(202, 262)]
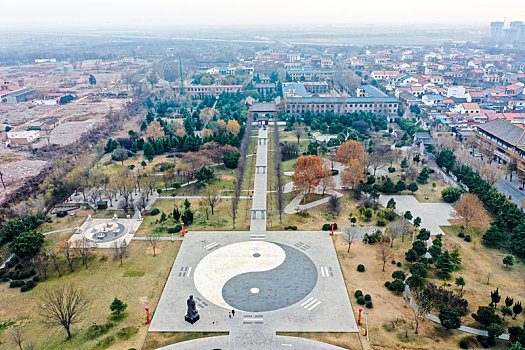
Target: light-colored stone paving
[(327, 301), (258, 223), (433, 215)]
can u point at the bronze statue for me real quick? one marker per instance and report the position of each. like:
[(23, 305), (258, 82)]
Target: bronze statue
[(192, 315)]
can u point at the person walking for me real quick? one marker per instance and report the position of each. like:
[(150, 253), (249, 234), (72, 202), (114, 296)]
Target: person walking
[(233, 312)]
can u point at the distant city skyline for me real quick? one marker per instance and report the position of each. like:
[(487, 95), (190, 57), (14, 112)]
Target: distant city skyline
[(25, 14)]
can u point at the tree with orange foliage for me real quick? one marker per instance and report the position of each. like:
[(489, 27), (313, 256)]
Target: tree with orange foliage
[(308, 173), (180, 132), (353, 173), (221, 124), (206, 133), (469, 210), (233, 126), (154, 130), (350, 150)]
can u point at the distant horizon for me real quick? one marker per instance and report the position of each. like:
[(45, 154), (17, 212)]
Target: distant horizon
[(109, 14)]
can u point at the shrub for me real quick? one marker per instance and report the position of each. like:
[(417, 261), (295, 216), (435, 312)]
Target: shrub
[(369, 305), (19, 267), (451, 194), (461, 234), (368, 297), (176, 185), (294, 228), (24, 288), (361, 300), (36, 279), (381, 222), (463, 344), (154, 212), (391, 169), (358, 293), (361, 268), (372, 238), (399, 264), (399, 275), (16, 284), (127, 332), (397, 286), (328, 227), (61, 214), (393, 262), (387, 284), (30, 284), (468, 238), (94, 331)]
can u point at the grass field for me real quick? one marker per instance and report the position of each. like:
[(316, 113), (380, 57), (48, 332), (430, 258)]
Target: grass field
[(220, 220), (390, 321), (138, 282)]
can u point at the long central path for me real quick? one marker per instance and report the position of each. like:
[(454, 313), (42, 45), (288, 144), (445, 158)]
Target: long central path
[(258, 223)]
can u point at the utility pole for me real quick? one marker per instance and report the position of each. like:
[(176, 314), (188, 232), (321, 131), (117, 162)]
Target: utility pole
[(181, 78)]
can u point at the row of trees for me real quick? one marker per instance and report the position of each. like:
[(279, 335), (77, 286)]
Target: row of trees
[(508, 229), (241, 169)]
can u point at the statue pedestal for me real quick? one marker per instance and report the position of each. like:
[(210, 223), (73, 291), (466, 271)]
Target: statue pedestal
[(192, 320)]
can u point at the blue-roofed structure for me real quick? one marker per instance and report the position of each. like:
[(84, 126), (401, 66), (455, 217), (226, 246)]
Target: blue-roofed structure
[(294, 89), (371, 91)]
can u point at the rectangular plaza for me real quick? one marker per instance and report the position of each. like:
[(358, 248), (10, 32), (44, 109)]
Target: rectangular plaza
[(322, 292)]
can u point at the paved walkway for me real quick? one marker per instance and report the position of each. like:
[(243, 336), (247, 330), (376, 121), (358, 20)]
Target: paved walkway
[(62, 230), (258, 223), (294, 206), (161, 237)]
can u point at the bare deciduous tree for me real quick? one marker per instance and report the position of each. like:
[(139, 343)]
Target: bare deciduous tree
[(298, 131), (16, 337), (349, 235), (277, 159), (491, 174), (212, 196), (425, 302), (334, 204), (327, 182), (66, 249), (241, 167), (399, 228), (153, 240), (40, 262), (64, 306), (84, 247), (383, 252), (120, 250)]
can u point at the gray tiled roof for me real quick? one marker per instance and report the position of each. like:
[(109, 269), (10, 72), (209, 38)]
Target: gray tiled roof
[(504, 130)]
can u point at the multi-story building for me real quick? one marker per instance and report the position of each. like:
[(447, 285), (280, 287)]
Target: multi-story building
[(207, 90), (504, 140), (340, 105)]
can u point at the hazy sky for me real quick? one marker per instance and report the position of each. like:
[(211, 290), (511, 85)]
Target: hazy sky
[(17, 14)]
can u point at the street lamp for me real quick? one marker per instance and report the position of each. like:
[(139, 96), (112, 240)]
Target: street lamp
[(366, 323)]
